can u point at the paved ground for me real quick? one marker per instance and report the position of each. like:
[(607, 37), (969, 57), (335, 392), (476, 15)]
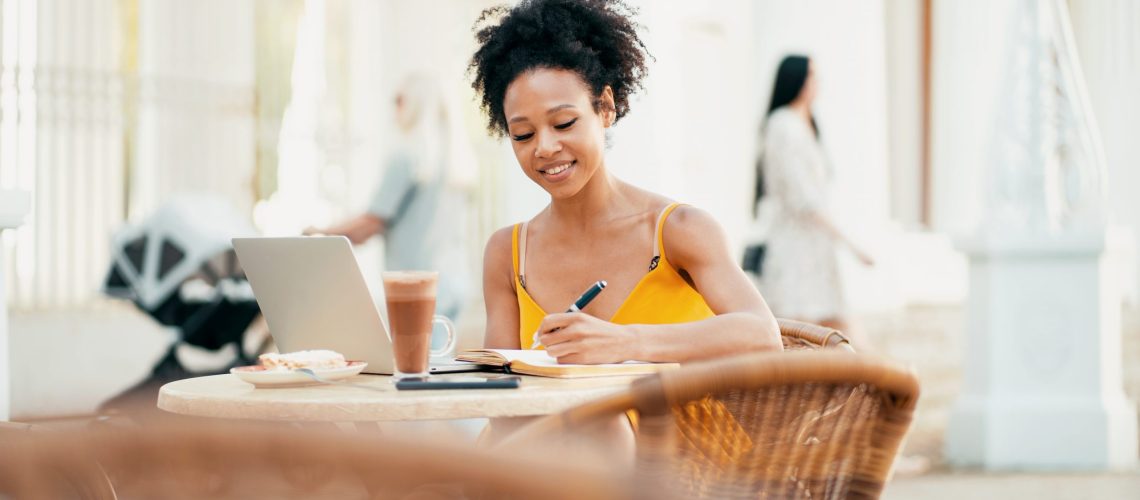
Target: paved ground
[(980, 486)]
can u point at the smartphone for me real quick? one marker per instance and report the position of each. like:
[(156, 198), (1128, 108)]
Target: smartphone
[(505, 382)]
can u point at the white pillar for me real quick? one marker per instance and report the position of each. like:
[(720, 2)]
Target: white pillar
[(1042, 386), (13, 207), (61, 140), (1109, 45)]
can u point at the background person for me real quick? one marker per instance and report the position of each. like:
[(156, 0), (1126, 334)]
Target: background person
[(423, 197), (800, 272)]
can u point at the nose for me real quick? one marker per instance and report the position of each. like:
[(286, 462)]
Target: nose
[(546, 146)]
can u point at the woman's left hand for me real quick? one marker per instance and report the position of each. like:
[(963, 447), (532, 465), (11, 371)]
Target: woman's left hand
[(579, 338)]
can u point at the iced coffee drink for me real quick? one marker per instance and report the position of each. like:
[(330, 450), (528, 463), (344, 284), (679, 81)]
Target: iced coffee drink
[(411, 304)]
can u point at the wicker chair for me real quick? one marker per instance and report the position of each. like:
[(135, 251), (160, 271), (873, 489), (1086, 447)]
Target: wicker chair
[(82, 476), (798, 335), (818, 424), (270, 460)]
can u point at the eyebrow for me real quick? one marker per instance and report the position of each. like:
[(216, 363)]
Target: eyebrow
[(550, 111)]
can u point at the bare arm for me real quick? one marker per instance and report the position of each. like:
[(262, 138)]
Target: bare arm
[(824, 222), (357, 229), (695, 243), (790, 163), (499, 293)]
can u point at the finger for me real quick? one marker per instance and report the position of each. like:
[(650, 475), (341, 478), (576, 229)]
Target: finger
[(562, 349), (562, 335), (572, 359), (555, 321)]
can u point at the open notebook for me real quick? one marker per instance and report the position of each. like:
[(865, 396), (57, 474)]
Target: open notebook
[(538, 362)]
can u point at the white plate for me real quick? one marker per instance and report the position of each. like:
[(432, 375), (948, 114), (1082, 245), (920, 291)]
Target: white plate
[(260, 377)]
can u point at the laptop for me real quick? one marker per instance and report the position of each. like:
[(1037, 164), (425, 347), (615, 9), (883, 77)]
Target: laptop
[(313, 296)]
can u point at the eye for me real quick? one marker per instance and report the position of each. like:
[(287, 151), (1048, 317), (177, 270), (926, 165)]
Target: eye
[(564, 126), (522, 137)]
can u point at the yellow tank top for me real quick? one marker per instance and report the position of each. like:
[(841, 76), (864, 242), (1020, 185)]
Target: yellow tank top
[(661, 297)]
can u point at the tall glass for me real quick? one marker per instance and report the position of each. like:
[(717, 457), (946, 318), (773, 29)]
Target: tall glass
[(410, 296)]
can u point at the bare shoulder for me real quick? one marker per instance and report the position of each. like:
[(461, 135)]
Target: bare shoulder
[(688, 222), (691, 233), (500, 240), (497, 254)]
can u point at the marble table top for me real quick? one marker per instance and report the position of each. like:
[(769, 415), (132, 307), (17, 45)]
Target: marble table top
[(226, 396)]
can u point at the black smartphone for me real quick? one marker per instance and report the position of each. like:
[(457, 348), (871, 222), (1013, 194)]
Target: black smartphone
[(419, 384)]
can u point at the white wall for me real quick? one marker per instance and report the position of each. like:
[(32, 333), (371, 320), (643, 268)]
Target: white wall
[(196, 97), (969, 55), (903, 30)]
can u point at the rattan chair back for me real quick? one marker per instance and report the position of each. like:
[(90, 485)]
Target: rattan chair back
[(817, 422)]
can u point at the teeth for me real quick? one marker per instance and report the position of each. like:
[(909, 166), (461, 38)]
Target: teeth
[(557, 170)]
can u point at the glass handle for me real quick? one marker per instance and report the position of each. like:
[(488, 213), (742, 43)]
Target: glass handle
[(449, 348)]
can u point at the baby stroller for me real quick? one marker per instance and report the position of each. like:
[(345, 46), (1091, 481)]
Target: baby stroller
[(180, 268)]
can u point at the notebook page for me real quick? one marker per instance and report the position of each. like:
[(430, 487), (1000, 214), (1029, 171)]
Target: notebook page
[(538, 357)]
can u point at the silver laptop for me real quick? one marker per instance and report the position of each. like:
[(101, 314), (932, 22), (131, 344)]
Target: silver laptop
[(313, 296)]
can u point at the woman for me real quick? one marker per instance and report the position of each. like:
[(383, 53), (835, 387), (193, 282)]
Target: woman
[(553, 76), (801, 273), (423, 194)]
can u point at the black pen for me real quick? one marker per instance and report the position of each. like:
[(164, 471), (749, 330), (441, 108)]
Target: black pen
[(578, 305)]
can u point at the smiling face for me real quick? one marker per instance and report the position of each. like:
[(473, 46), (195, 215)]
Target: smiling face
[(557, 136)]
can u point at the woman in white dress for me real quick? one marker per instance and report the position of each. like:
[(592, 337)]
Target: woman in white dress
[(800, 274)]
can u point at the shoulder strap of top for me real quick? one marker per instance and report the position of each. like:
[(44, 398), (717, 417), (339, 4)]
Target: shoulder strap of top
[(520, 253), (659, 237), (515, 251)]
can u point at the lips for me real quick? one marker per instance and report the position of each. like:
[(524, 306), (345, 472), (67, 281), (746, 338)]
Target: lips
[(558, 171)]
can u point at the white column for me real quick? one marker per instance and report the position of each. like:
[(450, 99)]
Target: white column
[(13, 207), (1042, 386), (196, 95), (1109, 45), (904, 34), (61, 140)]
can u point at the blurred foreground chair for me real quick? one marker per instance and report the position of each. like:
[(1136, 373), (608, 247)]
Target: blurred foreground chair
[(82, 476), (816, 424), (270, 460)]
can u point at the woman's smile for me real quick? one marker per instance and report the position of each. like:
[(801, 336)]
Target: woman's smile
[(559, 171)]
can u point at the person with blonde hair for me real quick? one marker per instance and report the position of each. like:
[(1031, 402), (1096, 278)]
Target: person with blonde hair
[(420, 205)]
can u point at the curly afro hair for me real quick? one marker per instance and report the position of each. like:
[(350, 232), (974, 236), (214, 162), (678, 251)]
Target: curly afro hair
[(596, 39)]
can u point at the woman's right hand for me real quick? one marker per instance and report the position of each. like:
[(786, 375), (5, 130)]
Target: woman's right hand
[(579, 338)]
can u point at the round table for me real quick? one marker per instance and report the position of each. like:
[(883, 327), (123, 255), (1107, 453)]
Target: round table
[(226, 396)]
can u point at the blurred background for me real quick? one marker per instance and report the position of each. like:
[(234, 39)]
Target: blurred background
[(281, 111)]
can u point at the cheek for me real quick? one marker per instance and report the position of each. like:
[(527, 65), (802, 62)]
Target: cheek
[(594, 144), (523, 154)]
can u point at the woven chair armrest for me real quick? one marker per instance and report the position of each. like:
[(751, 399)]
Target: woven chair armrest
[(816, 334), (761, 370), (656, 393)]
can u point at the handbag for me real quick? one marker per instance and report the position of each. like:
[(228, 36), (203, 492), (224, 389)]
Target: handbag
[(753, 261)]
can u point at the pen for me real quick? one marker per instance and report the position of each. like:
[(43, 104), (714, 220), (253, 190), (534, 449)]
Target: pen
[(578, 305)]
